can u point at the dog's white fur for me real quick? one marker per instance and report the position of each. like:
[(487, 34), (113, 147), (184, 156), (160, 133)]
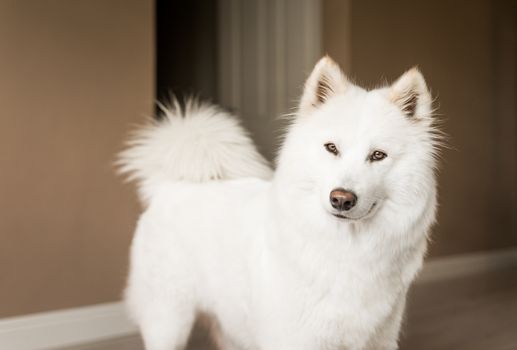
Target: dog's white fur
[(265, 258)]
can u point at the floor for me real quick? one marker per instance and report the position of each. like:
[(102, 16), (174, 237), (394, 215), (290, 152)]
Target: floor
[(476, 312)]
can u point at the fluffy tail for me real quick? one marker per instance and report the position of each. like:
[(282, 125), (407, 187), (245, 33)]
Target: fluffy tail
[(197, 144)]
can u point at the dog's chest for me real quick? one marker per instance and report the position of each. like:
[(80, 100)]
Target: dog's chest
[(330, 304)]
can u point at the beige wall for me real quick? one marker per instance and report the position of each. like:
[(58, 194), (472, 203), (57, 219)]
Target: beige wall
[(73, 76), (467, 54)]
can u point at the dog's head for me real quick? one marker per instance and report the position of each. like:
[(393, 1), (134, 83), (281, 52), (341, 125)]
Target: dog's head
[(350, 151)]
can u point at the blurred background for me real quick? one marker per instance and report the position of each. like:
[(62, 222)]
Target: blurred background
[(76, 76)]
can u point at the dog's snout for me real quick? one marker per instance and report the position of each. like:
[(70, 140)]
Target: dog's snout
[(342, 199)]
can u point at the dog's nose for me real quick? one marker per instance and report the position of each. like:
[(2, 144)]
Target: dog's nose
[(342, 199)]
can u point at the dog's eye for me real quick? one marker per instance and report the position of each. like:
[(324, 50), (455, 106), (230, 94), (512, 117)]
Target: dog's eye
[(377, 155), (330, 147)]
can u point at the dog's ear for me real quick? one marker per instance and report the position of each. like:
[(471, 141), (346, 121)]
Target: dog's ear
[(325, 81), (411, 95)]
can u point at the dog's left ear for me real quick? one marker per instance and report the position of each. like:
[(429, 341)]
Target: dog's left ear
[(411, 95), (325, 81)]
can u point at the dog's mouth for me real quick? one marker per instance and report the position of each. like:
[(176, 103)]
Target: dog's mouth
[(359, 218)]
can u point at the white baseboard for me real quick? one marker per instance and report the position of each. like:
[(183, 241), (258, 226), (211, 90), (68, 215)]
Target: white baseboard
[(454, 266), (63, 328), (72, 327)]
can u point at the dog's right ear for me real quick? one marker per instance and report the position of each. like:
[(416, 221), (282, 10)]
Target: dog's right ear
[(325, 81)]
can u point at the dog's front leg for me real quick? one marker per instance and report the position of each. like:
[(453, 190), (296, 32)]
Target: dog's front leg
[(388, 335)]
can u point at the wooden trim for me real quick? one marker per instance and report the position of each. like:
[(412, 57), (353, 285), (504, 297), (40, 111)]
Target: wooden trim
[(455, 266), (55, 329)]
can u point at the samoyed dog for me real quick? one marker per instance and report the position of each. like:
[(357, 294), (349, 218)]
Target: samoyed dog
[(318, 254)]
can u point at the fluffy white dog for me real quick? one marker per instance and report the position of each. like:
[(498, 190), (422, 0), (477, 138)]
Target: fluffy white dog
[(317, 255)]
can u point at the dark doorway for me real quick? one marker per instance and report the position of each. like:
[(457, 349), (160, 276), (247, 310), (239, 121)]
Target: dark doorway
[(186, 49)]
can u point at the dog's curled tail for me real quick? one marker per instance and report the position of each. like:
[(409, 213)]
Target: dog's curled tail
[(196, 144)]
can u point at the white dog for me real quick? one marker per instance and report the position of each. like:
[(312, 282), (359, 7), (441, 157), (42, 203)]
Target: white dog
[(318, 255)]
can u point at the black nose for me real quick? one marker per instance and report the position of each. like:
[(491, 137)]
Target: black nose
[(342, 199)]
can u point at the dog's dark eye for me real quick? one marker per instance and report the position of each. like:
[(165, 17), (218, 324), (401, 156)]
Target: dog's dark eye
[(377, 155), (330, 147)]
